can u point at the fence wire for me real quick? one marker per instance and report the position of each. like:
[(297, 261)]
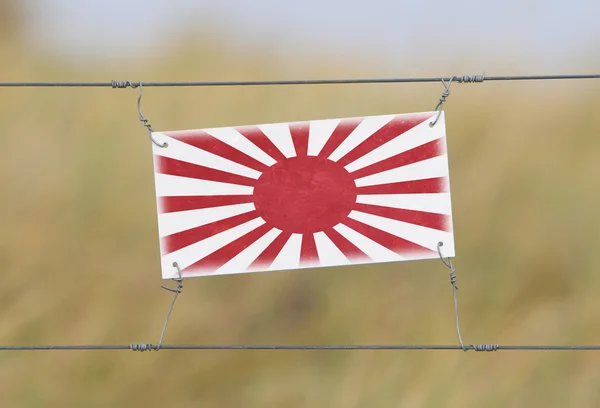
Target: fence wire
[(459, 79), (152, 347)]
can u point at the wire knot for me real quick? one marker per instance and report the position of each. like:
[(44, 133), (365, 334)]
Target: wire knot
[(177, 291), (141, 347), (483, 347), (445, 95), (179, 281), (443, 98), (146, 124), (142, 118), (469, 79), (449, 265), (124, 84)]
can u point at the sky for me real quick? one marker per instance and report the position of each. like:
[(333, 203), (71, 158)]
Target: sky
[(550, 35)]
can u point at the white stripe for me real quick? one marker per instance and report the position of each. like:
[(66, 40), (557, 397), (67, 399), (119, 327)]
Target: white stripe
[(289, 256), (171, 223), (195, 252), (320, 131), (438, 203), (417, 136), (182, 151), (234, 139), (167, 185), (365, 129), (430, 168), (279, 134), (329, 253), (242, 261), (426, 237), (375, 251)]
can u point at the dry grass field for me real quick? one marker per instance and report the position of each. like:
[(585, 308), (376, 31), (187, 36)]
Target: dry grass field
[(79, 248)]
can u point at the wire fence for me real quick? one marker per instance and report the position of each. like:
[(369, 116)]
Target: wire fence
[(142, 347)]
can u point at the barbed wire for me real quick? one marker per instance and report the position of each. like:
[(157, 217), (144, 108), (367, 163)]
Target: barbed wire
[(459, 79)]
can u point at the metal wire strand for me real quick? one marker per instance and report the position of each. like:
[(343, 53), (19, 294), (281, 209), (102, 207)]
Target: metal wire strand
[(445, 95), (460, 79), (476, 347), (454, 291), (124, 84), (147, 347), (176, 292)]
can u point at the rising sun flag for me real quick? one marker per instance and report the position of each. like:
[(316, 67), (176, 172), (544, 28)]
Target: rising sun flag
[(300, 195)]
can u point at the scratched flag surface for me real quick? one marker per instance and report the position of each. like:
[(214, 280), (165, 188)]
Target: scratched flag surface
[(302, 195)]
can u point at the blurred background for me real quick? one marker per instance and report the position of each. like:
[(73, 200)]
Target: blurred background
[(78, 234)]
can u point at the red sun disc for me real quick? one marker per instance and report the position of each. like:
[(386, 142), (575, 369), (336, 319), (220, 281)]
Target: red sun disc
[(305, 194)]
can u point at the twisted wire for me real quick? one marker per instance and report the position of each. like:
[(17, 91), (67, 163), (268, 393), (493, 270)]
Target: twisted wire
[(449, 265), (124, 84), (469, 79), (176, 292), (142, 118)]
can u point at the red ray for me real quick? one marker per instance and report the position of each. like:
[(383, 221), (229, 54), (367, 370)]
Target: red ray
[(165, 165), (174, 242), (266, 258), (389, 131), (351, 251), (223, 255), (423, 186), (299, 132), (308, 251), (256, 136), (427, 151), (391, 242), (439, 222), (209, 143), (185, 203), (341, 132)]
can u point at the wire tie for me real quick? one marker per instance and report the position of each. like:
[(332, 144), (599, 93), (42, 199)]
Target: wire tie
[(476, 347), (484, 347), (445, 95), (123, 84), (465, 79), (176, 291), (143, 118), (448, 264), (469, 79), (141, 347)]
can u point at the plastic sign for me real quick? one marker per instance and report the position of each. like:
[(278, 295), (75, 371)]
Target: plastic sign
[(300, 195)]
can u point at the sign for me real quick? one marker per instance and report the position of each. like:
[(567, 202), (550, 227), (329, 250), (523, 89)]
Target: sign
[(302, 195)]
